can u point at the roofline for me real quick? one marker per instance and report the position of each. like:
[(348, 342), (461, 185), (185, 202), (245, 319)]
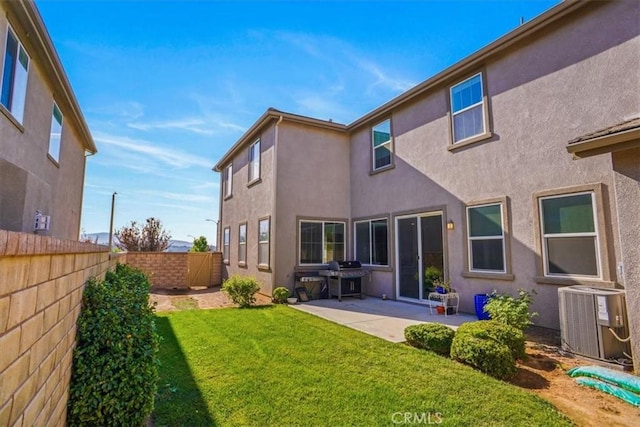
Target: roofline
[(609, 143), (472, 61), (268, 116), (29, 18)]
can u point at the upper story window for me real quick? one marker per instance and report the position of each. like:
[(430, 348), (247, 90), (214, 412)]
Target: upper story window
[(321, 242), (226, 244), (14, 77), (56, 133), (228, 180), (254, 161), (486, 238), (570, 235), (468, 109), (381, 145), (371, 247)]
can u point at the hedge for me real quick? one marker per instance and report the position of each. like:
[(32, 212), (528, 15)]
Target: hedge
[(115, 364), (430, 336)]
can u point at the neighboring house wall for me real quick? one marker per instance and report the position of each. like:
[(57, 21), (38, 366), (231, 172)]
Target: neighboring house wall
[(31, 179), (40, 298), (541, 94)]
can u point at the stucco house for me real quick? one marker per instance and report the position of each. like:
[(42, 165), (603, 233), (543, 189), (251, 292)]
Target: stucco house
[(517, 167), (44, 139)]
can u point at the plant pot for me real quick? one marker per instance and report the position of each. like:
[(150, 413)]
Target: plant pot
[(441, 290), (292, 300), (480, 301), (440, 309)]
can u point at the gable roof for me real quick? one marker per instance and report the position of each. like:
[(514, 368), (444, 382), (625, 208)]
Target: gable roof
[(25, 14)]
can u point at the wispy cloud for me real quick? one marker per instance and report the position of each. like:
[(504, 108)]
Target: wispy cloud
[(151, 151), (201, 126), (183, 197)]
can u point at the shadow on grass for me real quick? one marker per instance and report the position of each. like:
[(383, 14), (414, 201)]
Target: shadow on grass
[(179, 401)]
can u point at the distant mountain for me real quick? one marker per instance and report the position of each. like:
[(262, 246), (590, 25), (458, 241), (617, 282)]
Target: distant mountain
[(103, 239)]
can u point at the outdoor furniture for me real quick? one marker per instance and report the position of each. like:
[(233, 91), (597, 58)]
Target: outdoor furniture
[(450, 299)]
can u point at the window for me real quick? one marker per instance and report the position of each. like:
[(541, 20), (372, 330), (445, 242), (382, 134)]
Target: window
[(263, 242), (467, 109), (371, 242), (228, 181), (569, 235), (226, 244), (56, 133), (486, 240), (254, 161), (321, 242), (14, 77), (381, 143), (242, 244)]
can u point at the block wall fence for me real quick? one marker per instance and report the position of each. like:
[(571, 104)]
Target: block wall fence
[(41, 284), (171, 270)]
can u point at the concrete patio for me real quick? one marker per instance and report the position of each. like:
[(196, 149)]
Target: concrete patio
[(386, 319)]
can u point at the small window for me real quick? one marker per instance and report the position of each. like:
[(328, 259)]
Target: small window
[(226, 244), (228, 181), (486, 238), (254, 161), (381, 145), (242, 244), (467, 109), (321, 242), (14, 77), (371, 242), (56, 134), (570, 235), (263, 242)]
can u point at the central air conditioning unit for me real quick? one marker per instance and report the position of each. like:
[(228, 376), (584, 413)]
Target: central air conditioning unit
[(588, 316)]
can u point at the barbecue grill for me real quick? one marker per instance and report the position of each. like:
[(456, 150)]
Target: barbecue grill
[(344, 279)]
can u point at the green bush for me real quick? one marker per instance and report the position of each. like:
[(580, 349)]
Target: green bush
[(509, 310), (512, 337), (430, 336), (241, 290), (115, 363), (280, 295), (488, 356)]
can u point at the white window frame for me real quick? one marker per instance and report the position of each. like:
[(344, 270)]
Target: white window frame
[(228, 181), (595, 234), (254, 162), (264, 242), (325, 260), (242, 244), (16, 109), (501, 237), (55, 135), (355, 240), (226, 244), (388, 145), (467, 108)]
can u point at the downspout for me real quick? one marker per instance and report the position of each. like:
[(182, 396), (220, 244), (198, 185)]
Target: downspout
[(274, 172)]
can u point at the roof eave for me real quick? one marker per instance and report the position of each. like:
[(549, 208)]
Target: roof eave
[(610, 143)]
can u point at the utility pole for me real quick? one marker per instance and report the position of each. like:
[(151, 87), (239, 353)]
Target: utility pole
[(113, 207)]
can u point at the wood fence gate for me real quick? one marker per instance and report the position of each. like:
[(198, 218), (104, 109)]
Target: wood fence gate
[(199, 269)]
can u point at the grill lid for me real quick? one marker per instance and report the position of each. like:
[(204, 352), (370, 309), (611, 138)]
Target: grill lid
[(345, 265)]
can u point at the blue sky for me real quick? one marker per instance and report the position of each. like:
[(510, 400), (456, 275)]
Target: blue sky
[(167, 87)]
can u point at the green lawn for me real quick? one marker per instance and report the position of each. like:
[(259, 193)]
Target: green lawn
[(278, 366)]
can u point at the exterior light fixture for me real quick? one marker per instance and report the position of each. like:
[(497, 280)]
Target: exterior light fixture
[(450, 225)]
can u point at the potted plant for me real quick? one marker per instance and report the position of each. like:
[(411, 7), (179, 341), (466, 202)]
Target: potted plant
[(443, 286), (431, 275)]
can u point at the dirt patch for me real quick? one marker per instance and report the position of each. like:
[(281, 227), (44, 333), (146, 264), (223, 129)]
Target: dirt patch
[(543, 372)]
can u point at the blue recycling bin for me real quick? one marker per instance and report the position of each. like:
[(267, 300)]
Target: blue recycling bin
[(480, 301)]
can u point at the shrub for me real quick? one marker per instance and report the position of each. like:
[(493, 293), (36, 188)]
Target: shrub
[(509, 310), (488, 356), (280, 295), (512, 337), (115, 364), (241, 290), (430, 336)]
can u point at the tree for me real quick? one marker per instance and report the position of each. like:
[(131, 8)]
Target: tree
[(200, 245), (148, 238)]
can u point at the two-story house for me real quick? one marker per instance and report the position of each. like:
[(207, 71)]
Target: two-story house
[(44, 139), (517, 167)]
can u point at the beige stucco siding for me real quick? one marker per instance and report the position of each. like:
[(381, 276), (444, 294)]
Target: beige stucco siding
[(30, 180), (313, 182), (543, 94)]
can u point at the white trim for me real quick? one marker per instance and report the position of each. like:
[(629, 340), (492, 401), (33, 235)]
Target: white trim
[(264, 242), (467, 108), (594, 234), (325, 260), (242, 250), (226, 242), (384, 144), (254, 159), (19, 117), (501, 237), (355, 241), (228, 180)]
